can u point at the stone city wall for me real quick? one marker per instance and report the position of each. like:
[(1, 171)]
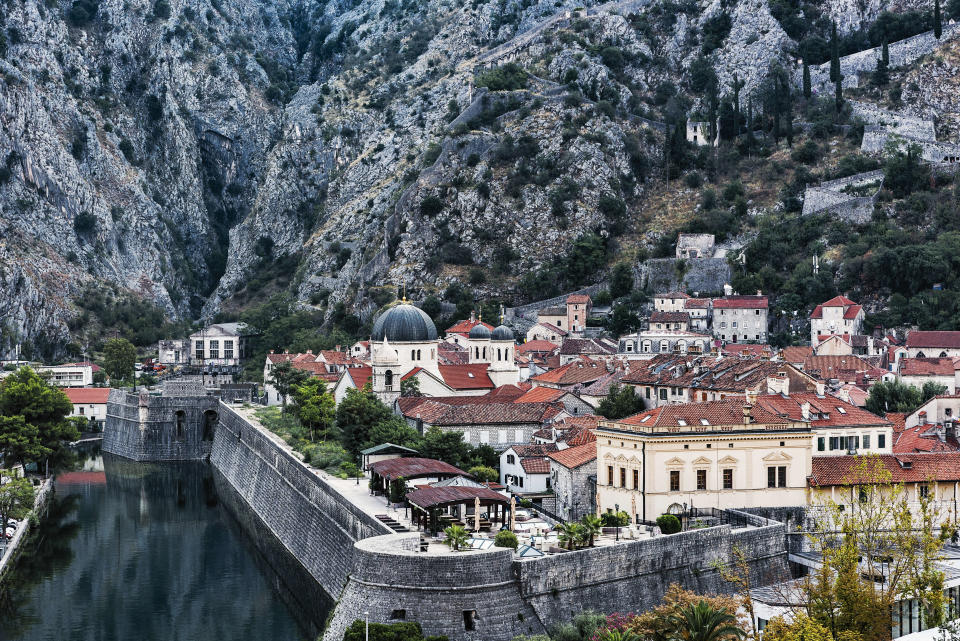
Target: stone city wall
[(155, 428), (444, 592), (828, 196), (313, 521), (633, 577), (901, 53)]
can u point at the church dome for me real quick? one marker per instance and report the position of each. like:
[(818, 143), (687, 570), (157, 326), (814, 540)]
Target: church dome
[(404, 323), (502, 333), (479, 331)]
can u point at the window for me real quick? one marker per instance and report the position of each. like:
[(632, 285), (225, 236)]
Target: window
[(228, 349), (663, 393), (623, 477), (777, 476), (636, 479), (881, 441), (399, 615), (734, 325), (469, 620), (701, 479), (728, 479), (510, 459), (923, 491), (866, 441), (674, 480), (820, 444), (198, 348), (388, 380), (647, 392), (214, 349), (610, 475)]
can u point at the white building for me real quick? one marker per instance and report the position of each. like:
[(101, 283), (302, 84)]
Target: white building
[(649, 343), (921, 344), (670, 302), (695, 246), (525, 469), (220, 345), (70, 374), (173, 351), (89, 403), (839, 315)]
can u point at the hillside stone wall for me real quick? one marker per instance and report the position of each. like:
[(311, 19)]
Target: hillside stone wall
[(830, 197), (701, 275)]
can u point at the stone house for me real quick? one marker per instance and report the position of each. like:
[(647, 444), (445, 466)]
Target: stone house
[(839, 315), (578, 310), (546, 332), (695, 246), (555, 316), (174, 351), (698, 132), (677, 321), (740, 319), (670, 302), (917, 371), (601, 349), (573, 474), (572, 403), (573, 375), (923, 344), (699, 311), (480, 421)]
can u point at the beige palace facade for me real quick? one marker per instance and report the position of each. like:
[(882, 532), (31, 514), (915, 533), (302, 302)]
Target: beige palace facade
[(722, 454)]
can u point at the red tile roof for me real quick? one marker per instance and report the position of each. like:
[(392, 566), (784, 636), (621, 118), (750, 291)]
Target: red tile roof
[(576, 456), (466, 377), (578, 299), (841, 367), (464, 326), (93, 366), (827, 411), (923, 438), (537, 346), (852, 312), (747, 349), (538, 465), (534, 449), (836, 301), (553, 328), (360, 375), (475, 411), (580, 435), (87, 395), (926, 367), (740, 302), (697, 303), (921, 467), (795, 354), (680, 295), (923, 339), (434, 496)]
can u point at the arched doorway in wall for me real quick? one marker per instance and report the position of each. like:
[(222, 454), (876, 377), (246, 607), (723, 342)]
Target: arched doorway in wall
[(179, 425), (210, 418)]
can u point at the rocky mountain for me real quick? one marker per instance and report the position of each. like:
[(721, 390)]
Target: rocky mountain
[(202, 154)]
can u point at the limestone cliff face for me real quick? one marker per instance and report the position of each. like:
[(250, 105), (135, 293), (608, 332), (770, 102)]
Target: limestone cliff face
[(177, 149)]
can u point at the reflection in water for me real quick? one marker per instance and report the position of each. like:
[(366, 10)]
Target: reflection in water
[(142, 551)]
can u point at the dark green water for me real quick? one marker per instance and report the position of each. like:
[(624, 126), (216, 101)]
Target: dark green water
[(134, 551)]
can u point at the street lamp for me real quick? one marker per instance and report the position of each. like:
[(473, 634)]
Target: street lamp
[(366, 624), (616, 513), (359, 467)]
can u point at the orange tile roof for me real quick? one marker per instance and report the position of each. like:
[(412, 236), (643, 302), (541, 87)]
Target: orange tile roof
[(88, 395), (359, 375), (923, 467), (923, 438), (578, 298), (927, 367), (825, 409), (924, 339), (726, 412), (541, 395), (583, 370), (553, 328), (740, 302), (795, 354), (576, 456), (538, 465)]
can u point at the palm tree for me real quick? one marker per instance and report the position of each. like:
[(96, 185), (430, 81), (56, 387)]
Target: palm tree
[(592, 526), (568, 534), (611, 634), (456, 536), (703, 622)]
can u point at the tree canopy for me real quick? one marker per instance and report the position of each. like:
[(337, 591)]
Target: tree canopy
[(119, 358), (35, 425)]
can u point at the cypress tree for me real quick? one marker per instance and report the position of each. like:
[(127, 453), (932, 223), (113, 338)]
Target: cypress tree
[(807, 91), (834, 53), (838, 90), (937, 20), (885, 55)]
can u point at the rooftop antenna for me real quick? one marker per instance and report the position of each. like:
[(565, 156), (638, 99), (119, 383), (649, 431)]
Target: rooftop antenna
[(404, 292)]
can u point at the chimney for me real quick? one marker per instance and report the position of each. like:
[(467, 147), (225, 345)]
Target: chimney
[(473, 316), (923, 417), (805, 411), (821, 389), (747, 413)]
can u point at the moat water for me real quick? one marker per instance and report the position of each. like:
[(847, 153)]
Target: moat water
[(151, 552)]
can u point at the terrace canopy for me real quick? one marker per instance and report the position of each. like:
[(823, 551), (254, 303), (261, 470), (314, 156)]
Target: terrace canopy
[(383, 473), (436, 506)]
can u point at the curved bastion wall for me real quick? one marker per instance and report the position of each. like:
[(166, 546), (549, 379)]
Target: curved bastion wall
[(471, 596)]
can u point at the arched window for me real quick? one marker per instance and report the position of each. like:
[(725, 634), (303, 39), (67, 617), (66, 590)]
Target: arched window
[(943, 354), (499, 358), (484, 352), (388, 380), (418, 354), (646, 346), (413, 354), (921, 355), (664, 346)]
